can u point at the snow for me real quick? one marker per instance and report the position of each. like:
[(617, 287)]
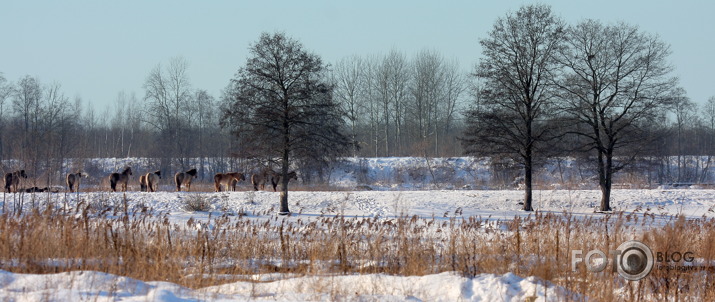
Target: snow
[(96, 286), (492, 204)]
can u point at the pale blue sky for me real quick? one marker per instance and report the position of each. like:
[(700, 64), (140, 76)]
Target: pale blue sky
[(95, 49)]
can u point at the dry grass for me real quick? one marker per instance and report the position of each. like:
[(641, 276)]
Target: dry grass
[(101, 236)]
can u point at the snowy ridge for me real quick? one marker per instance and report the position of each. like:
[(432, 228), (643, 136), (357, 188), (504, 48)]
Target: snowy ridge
[(96, 286)]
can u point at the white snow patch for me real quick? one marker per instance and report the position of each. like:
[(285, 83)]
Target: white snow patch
[(96, 286)]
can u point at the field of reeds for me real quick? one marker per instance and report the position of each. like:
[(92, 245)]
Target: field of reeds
[(137, 242)]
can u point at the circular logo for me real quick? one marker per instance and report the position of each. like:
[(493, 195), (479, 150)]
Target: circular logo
[(635, 261)]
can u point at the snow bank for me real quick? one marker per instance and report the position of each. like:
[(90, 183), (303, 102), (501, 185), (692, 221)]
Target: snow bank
[(96, 286)]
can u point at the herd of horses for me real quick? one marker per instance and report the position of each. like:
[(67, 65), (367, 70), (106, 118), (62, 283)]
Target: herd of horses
[(149, 182)]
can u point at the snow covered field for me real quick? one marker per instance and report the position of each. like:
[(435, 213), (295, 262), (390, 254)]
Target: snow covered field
[(496, 206)]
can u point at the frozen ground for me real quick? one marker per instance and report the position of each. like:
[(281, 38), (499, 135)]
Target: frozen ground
[(305, 205)]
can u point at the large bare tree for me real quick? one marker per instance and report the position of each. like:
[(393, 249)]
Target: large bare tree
[(280, 105), (517, 65), (616, 82)]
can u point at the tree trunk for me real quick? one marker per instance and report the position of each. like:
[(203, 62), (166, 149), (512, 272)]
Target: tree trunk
[(605, 181), (285, 164), (605, 198), (284, 185), (528, 195)]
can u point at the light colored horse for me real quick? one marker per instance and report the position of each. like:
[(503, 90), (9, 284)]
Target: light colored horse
[(142, 183), (120, 179), (73, 180), (184, 178), (152, 180), (228, 179), (12, 180)]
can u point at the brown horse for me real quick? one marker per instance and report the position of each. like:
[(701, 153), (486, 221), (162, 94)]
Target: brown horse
[(228, 179), (12, 180), (184, 178), (260, 179), (73, 180), (120, 178), (271, 176), (276, 178), (152, 180), (142, 182)]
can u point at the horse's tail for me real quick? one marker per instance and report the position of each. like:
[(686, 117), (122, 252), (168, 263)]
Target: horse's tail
[(217, 182), (255, 181), (113, 183), (178, 178)]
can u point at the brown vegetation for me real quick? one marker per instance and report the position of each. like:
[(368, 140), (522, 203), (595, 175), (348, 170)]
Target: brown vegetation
[(147, 247)]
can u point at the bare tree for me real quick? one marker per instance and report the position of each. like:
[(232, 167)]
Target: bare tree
[(281, 105), (616, 81), (168, 93), (349, 78), (426, 90), (518, 63), (6, 90), (685, 119), (398, 75), (436, 86), (27, 100), (26, 106), (454, 87), (375, 94), (708, 112), (55, 130), (204, 122)]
